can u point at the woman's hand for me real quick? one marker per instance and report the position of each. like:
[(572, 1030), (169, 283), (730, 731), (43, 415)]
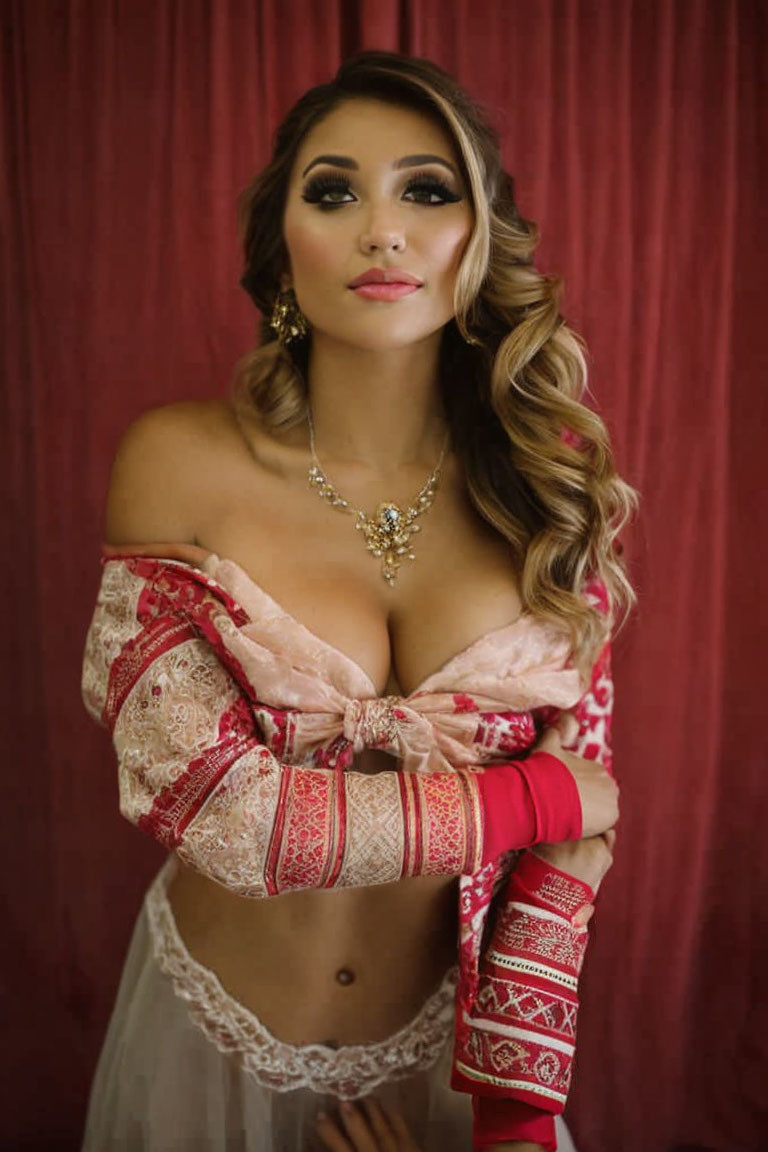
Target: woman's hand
[(368, 1127), (598, 791), (588, 860)]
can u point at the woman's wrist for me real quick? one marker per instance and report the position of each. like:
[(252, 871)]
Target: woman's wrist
[(528, 802)]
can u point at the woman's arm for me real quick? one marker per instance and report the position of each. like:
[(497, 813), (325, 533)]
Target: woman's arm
[(585, 730), (535, 954), (195, 773)]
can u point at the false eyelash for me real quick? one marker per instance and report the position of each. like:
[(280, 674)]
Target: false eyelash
[(434, 184), (320, 185)]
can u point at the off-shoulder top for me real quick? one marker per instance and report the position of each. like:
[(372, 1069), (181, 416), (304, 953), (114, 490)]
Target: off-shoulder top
[(236, 728)]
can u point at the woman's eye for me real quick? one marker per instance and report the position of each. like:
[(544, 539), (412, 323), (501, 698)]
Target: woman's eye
[(328, 192), (431, 188), (319, 190)]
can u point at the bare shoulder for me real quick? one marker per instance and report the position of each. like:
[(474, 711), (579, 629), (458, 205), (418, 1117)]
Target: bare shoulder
[(157, 470)]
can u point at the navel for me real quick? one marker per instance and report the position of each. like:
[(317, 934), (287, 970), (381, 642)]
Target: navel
[(345, 976)]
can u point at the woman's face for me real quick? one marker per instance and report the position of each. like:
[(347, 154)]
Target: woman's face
[(376, 186)]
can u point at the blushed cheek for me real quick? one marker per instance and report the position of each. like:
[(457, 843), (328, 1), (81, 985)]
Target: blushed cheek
[(313, 254), (310, 250), (449, 247)]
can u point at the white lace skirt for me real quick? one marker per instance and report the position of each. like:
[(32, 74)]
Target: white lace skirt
[(186, 1068)]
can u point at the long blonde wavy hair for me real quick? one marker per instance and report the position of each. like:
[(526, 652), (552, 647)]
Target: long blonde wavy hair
[(538, 462)]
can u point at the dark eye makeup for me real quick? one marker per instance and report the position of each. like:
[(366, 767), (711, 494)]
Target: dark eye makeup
[(320, 187)]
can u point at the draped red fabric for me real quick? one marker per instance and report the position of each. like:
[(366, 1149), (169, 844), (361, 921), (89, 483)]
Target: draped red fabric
[(638, 137)]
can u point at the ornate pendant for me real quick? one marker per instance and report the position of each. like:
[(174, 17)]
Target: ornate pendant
[(388, 536)]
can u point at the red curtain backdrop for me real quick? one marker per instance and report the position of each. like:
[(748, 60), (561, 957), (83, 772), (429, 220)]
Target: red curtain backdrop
[(637, 134)]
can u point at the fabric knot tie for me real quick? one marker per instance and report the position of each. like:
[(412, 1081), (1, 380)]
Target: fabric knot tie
[(371, 723)]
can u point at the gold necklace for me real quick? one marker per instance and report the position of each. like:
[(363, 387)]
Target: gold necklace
[(388, 532)]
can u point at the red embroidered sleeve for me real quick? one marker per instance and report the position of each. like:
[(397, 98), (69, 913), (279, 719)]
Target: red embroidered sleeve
[(194, 771), (515, 1053)]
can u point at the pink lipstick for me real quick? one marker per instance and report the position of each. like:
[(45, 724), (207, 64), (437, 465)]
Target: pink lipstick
[(385, 291)]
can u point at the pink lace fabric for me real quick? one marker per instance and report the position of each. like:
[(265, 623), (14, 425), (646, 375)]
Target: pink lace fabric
[(348, 1072)]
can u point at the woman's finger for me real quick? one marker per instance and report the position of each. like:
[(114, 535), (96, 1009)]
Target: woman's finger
[(331, 1134), (380, 1125), (581, 918), (370, 1126), (358, 1128), (404, 1141)]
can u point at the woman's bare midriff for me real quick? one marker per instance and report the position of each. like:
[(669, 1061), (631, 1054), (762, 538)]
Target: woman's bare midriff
[(280, 956)]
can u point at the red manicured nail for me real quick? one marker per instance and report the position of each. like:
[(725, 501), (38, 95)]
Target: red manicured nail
[(583, 916)]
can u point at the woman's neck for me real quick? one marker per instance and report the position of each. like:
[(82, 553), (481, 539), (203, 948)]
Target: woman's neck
[(378, 410)]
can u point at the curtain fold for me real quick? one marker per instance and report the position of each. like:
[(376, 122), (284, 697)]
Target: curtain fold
[(637, 138)]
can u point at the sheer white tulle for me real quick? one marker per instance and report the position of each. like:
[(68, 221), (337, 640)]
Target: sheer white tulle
[(186, 1068)]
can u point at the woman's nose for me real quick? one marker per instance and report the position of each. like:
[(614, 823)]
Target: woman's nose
[(382, 240), (382, 233)]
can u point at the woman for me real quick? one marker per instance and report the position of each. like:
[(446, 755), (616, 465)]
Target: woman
[(301, 710)]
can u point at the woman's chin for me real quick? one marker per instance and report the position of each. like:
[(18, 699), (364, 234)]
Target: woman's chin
[(383, 338)]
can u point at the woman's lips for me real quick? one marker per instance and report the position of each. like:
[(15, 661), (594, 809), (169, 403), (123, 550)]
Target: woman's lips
[(391, 291)]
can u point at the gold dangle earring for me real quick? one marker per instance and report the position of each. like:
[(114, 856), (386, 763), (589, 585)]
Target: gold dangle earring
[(287, 319)]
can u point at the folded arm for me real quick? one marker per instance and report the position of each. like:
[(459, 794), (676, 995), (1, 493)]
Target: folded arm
[(195, 773), (533, 962)]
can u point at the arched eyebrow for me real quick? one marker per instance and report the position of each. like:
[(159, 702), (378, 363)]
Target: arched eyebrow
[(403, 162)]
